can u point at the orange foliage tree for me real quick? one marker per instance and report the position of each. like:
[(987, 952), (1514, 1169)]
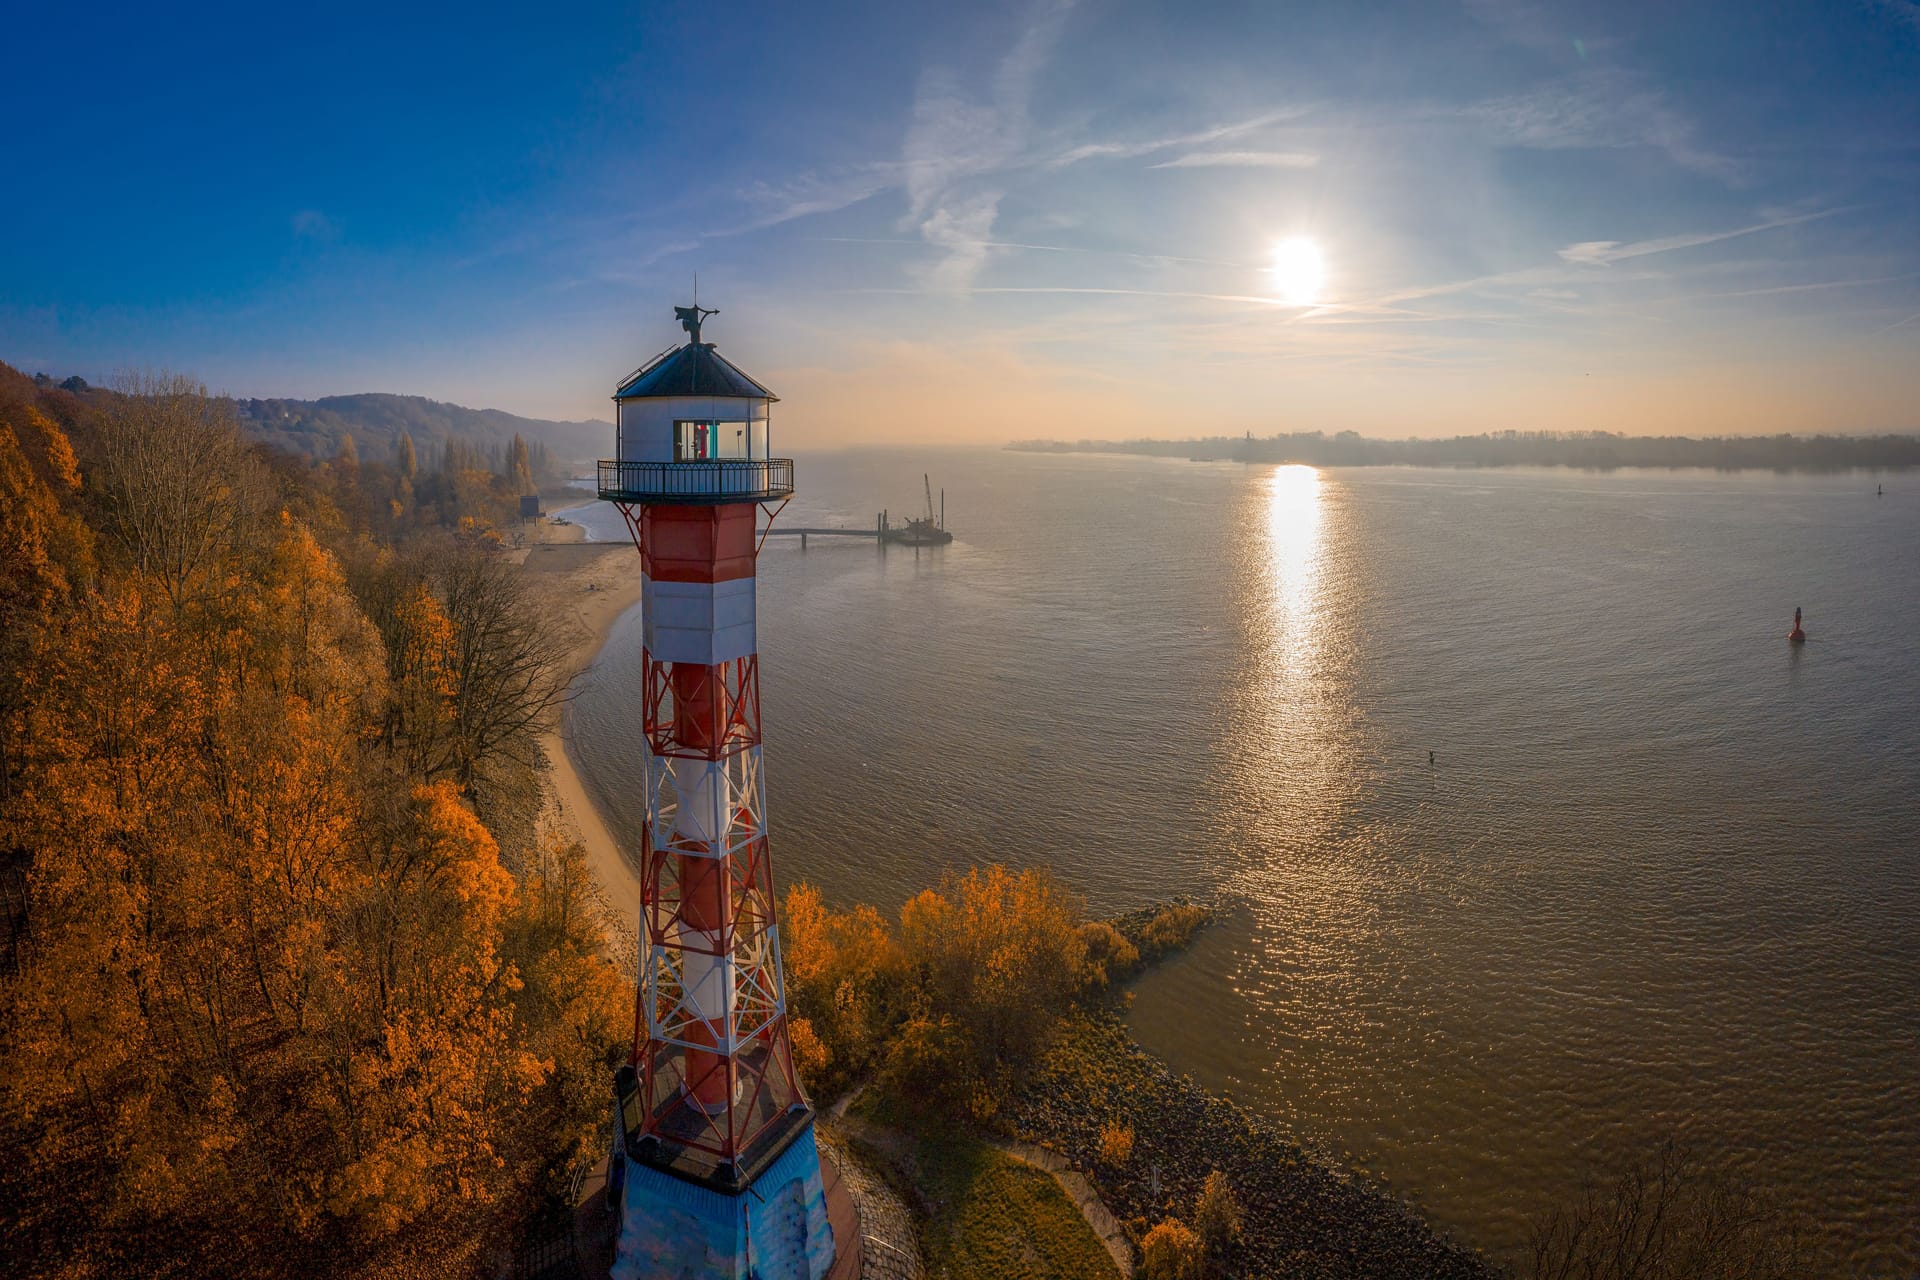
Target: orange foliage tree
[(949, 1003), (274, 1005), (45, 549)]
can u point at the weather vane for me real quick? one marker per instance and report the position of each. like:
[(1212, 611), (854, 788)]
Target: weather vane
[(691, 318)]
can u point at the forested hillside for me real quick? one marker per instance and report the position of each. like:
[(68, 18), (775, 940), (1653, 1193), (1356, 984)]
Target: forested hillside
[(291, 980), (378, 423)]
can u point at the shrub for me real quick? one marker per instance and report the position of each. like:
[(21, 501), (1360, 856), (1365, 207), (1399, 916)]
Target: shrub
[(1216, 1214), (1109, 956), (810, 1057), (845, 977), (1171, 1252), (930, 1066), (998, 953), (1116, 1143), (1172, 928)]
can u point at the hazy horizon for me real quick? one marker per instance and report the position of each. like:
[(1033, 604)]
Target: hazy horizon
[(1092, 220)]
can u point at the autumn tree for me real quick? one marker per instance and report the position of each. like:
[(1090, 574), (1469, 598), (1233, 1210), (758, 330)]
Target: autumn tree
[(1000, 952), (422, 660), (462, 486), (274, 1005), (947, 1004), (507, 659), (349, 494), (1216, 1215), (1170, 1251), (844, 975), (181, 489), (266, 978), (45, 548), (520, 467), (406, 464), (575, 1000)]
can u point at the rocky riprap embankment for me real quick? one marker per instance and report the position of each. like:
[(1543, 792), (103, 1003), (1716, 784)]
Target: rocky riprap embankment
[(1304, 1216)]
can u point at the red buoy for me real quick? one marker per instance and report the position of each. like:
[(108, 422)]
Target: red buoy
[(1796, 635)]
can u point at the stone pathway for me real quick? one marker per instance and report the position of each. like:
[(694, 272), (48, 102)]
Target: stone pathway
[(888, 1248)]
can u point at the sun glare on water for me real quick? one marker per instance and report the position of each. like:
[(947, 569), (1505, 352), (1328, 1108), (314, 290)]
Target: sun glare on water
[(1299, 271)]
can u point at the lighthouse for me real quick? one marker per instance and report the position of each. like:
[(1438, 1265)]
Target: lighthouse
[(714, 1169)]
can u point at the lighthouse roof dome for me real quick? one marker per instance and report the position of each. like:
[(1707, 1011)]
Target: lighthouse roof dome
[(693, 370)]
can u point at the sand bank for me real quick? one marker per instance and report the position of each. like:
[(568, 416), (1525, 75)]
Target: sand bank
[(588, 585)]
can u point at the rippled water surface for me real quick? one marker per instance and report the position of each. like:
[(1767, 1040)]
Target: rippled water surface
[(1663, 874)]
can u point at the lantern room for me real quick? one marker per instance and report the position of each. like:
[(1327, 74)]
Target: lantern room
[(692, 427)]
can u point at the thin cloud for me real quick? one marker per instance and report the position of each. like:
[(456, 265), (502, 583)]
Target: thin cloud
[(1151, 259), (953, 139), (1073, 290), (1814, 287), (1198, 138), (801, 197), (1897, 324), (958, 229), (812, 193), (1600, 253), (1602, 107), (1241, 160)]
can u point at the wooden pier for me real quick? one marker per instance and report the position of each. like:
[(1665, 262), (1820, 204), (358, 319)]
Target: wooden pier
[(927, 531), (804, 534)]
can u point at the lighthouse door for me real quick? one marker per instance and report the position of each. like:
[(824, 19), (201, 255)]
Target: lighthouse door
[(692, 441)]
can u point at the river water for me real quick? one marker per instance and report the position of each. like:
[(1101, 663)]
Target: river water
[(1661, 876)]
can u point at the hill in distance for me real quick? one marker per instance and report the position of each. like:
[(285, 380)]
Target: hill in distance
[(375, 420)]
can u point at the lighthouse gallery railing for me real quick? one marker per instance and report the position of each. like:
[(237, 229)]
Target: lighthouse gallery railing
[(747, 479)]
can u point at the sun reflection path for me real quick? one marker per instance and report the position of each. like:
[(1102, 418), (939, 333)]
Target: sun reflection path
[(1295, 780), (1294, 555), (1292, 710), (1286, 1005)]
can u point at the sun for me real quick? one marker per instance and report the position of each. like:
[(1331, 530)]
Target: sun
[(1299, 271)]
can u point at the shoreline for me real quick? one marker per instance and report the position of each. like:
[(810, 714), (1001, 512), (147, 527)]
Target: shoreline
[(1358, 1226), (591, 585), (1302, 1210)]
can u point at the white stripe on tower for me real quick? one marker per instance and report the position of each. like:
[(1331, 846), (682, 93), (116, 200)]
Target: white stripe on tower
[(700, 622)]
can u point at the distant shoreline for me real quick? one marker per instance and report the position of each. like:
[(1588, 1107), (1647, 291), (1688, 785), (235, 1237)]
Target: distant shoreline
[(1583, 451)]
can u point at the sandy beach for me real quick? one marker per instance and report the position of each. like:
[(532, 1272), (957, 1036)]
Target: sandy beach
[(589, 585)]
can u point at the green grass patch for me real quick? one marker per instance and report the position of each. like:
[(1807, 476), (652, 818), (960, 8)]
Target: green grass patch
[(992, 1215)]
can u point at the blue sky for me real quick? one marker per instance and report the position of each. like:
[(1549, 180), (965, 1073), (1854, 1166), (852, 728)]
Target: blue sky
[(977, 222)]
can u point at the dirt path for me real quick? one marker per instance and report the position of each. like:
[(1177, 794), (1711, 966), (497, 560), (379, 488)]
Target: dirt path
[(1081, 1192), (1105, 1226)]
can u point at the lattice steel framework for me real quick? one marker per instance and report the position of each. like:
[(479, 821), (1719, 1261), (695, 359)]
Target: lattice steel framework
[(715, 1069)]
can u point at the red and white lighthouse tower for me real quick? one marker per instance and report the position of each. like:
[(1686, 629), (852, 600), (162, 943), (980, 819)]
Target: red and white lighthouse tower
[(715, 1163)]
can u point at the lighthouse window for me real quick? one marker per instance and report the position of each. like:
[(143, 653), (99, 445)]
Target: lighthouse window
[(699, 441)]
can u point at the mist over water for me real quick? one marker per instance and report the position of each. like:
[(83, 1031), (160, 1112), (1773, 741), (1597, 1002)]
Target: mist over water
[(1661, 876)]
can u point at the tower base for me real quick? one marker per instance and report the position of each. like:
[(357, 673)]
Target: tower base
[(775, 1229)]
